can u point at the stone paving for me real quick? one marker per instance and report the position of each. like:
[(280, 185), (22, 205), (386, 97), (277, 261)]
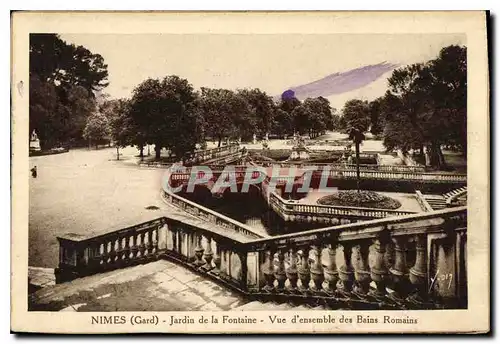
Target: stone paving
[(156, 286)]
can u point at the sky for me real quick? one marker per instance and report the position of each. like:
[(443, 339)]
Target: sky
[(337, 66)]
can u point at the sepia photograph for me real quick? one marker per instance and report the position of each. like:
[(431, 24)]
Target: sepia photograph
[(179, 173)]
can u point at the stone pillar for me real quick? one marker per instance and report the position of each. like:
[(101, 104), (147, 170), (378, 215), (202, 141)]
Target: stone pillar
[(268, 270), (291, 271), (304, 272), (198, 250), (346, 271), (280, 273), (362, 274), (418, 273), (208, 254), (379, 269), (399, 270), (331, 273), (317, 269)]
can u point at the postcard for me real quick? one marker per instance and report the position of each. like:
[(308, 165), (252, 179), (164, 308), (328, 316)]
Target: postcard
[(250, 172)]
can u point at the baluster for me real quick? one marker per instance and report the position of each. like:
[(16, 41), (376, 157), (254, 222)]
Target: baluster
[(379, 270), (126, 249), (119, 255), (219, 260), (154, 240), (418, 273), (317, 269), (175, 246), (112, 252), (279, 273), (291, 271), (149, 235), (142, 247), (198, 250), (208, 254), (399, 270), (268, 270), (131, 254), (346, 271), (362, 274), (331, 273), (303, 271)]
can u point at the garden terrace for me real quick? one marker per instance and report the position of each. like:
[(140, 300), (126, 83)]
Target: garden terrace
[(366, 265)]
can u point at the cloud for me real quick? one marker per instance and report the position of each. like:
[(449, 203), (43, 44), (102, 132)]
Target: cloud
[(338, 83)]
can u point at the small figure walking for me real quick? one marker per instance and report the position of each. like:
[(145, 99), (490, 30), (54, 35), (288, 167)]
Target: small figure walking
[(33, 172)]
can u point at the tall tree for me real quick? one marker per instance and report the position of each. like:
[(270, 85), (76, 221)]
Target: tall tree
[(97, 129), (261, 109), (357, 118), (426, 105), (164, 112), (226, 114), (120, 127), (375, 109), (66, 65), (68, 75)]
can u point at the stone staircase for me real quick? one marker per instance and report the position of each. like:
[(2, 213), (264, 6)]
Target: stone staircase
[(438, 202), (159, 286), (455, 192)]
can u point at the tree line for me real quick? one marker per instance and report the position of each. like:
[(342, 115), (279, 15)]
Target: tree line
[(63, 81), (170, 113), (424, 109)]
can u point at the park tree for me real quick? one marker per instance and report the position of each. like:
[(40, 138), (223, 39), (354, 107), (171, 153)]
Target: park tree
[(302, 115), (43, 106), (282, 123), (261, 109), (164, 113), (320, 115), (66, 65), (96, 130), (67, 77), (75, 105), (375, 108), (357, 119), (120, 126), (226, 114), (426, 106)]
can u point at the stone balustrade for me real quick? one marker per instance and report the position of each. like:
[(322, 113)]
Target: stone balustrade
[(210, 154), (342, 172), (413, 261), (230, 152), (80, 256), (210, 215), (422, 201), (345, 167), (300, 212), (406, 176)]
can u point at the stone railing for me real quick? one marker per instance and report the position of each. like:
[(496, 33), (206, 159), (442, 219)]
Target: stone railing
[(407, 176), (80, 256), (461, 196), (201, 156), (300, 212), (345, 167), (413, 261), (422, 201), (210, 216), (209, 154)]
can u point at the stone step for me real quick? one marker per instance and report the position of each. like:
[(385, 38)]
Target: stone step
[(454, 192), (39, 277)]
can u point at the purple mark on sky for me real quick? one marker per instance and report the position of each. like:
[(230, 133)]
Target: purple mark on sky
[(343, 82)]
